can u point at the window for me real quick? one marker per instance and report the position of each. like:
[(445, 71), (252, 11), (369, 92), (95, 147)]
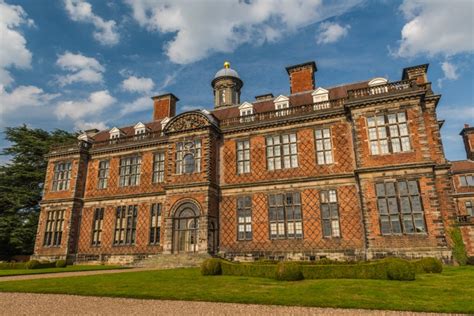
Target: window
[(400, 207), (103, 174), (323, 146), (469, 208), (125, 225), (97, 226), (155, 223), (244, 218), (62, 176), (282, 152), (54, 228), (243, 156), (246, 111), (330, 214), (130, 171), (159, 167), (388, 133), (467, 181), (188, 157), (285, 216)]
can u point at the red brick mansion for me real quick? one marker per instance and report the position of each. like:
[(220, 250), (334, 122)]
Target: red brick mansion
[(355, 171)]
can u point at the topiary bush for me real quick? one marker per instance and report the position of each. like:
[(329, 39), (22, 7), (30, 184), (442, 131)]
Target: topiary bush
[(428, 265), (211, 267), (248, 269), (33, 264), (61, 264), (399, 269), (459, 249), (288, 271)]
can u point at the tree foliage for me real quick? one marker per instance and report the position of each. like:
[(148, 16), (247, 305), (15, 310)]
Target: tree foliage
[(21, 185)]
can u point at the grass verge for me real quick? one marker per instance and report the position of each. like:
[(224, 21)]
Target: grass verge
[(450, 291), (77, 268)]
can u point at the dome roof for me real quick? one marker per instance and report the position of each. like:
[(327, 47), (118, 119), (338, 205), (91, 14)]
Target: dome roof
[(227, 72)]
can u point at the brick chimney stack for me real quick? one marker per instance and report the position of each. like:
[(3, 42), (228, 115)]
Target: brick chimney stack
[(417, 73), (467, 134), (302, 77), (164, 106)]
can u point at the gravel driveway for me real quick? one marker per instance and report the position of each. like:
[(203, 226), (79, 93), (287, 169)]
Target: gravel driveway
[(52, 304)]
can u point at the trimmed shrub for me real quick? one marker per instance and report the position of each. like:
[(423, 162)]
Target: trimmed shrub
[(32, 264), (12, 265), (399, 269), (376, 270), (211, 267), (428, 265), (61, 264), (459, 250), (250, 270), (470, 261), (288, 271)]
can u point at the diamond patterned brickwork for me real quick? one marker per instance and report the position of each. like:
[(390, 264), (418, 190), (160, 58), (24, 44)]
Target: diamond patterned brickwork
[(350, 222), (307, 166)]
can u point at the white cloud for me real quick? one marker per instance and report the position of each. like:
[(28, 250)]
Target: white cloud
[(139, 105), (13, 51), (82, 125), (22, 97), (93, 105), (140, 85), (331, 32), (449, 70), (204, 27), (81, 11), (437, 27), (81, 68)]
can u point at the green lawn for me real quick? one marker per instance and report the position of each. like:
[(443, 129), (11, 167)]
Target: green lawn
[(451, 291), (56, 270)]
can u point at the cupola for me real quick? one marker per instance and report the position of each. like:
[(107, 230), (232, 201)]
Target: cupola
[(226, 85)]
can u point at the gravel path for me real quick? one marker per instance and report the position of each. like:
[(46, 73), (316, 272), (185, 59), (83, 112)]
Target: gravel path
[(52, 304)]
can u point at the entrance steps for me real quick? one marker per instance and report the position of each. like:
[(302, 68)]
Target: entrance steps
[(172, 261)]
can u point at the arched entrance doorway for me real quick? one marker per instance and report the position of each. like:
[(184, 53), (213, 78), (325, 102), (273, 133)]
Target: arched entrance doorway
[(186, 228)]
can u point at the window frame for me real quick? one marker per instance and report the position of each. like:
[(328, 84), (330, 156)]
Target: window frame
[(126, 217), (271, 144), (397, 201), (325, 200), (103, 174), (244, 211), (181, 151), (389, 138), (125, 180), (154, 236), (281, 216), (464, 180), (244, 161), (470, 208), (159, 166), (61, 176), (324, 150), (53, 229), (97, 224)]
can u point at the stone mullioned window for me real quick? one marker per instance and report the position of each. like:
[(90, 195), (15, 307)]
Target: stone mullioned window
[(97, 223), (323, 146), (330, 213), (125, 225), (54, 228), (62, 176), (104, 166), (282, 151), (284, 213), (130, 168), (159, 167), (388, 133), (400, 207), (244, 218), (243, 156), (155, 223), (188, 157)]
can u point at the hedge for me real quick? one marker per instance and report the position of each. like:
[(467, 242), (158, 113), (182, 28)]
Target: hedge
[(387, 269), (211, 267), (428, 265), (32, 264)]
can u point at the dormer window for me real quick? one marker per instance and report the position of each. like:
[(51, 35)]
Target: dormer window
[(115, 133), (282, 103), (378, 85), (320, 95), (140, 130), (246, 112)]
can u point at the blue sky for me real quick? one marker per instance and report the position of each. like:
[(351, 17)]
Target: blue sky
[(76, 64)]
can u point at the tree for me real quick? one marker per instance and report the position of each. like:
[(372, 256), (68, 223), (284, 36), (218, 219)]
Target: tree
[(21, 185)]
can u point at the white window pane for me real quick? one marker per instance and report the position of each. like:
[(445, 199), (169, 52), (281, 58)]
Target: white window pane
[(278, 163), (271, 165), (328, 157), (396, 145), (318, 134), (405, 144), (285, 139), (293, 138), (403, 129), (380, 120), (384, 146), (372, 133), (293, 149), (286, 161), (326, 133), (393, 131), (392, 118), (294, 161), (374, 149), (319, 145), (370, 121), (382, 132), (401, 117), (327, 144), (321, 158), (332, 196)]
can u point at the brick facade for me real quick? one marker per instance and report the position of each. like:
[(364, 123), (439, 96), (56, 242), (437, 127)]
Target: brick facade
[(202, 184)]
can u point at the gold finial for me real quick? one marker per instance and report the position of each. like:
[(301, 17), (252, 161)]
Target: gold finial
[(226, 64)]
